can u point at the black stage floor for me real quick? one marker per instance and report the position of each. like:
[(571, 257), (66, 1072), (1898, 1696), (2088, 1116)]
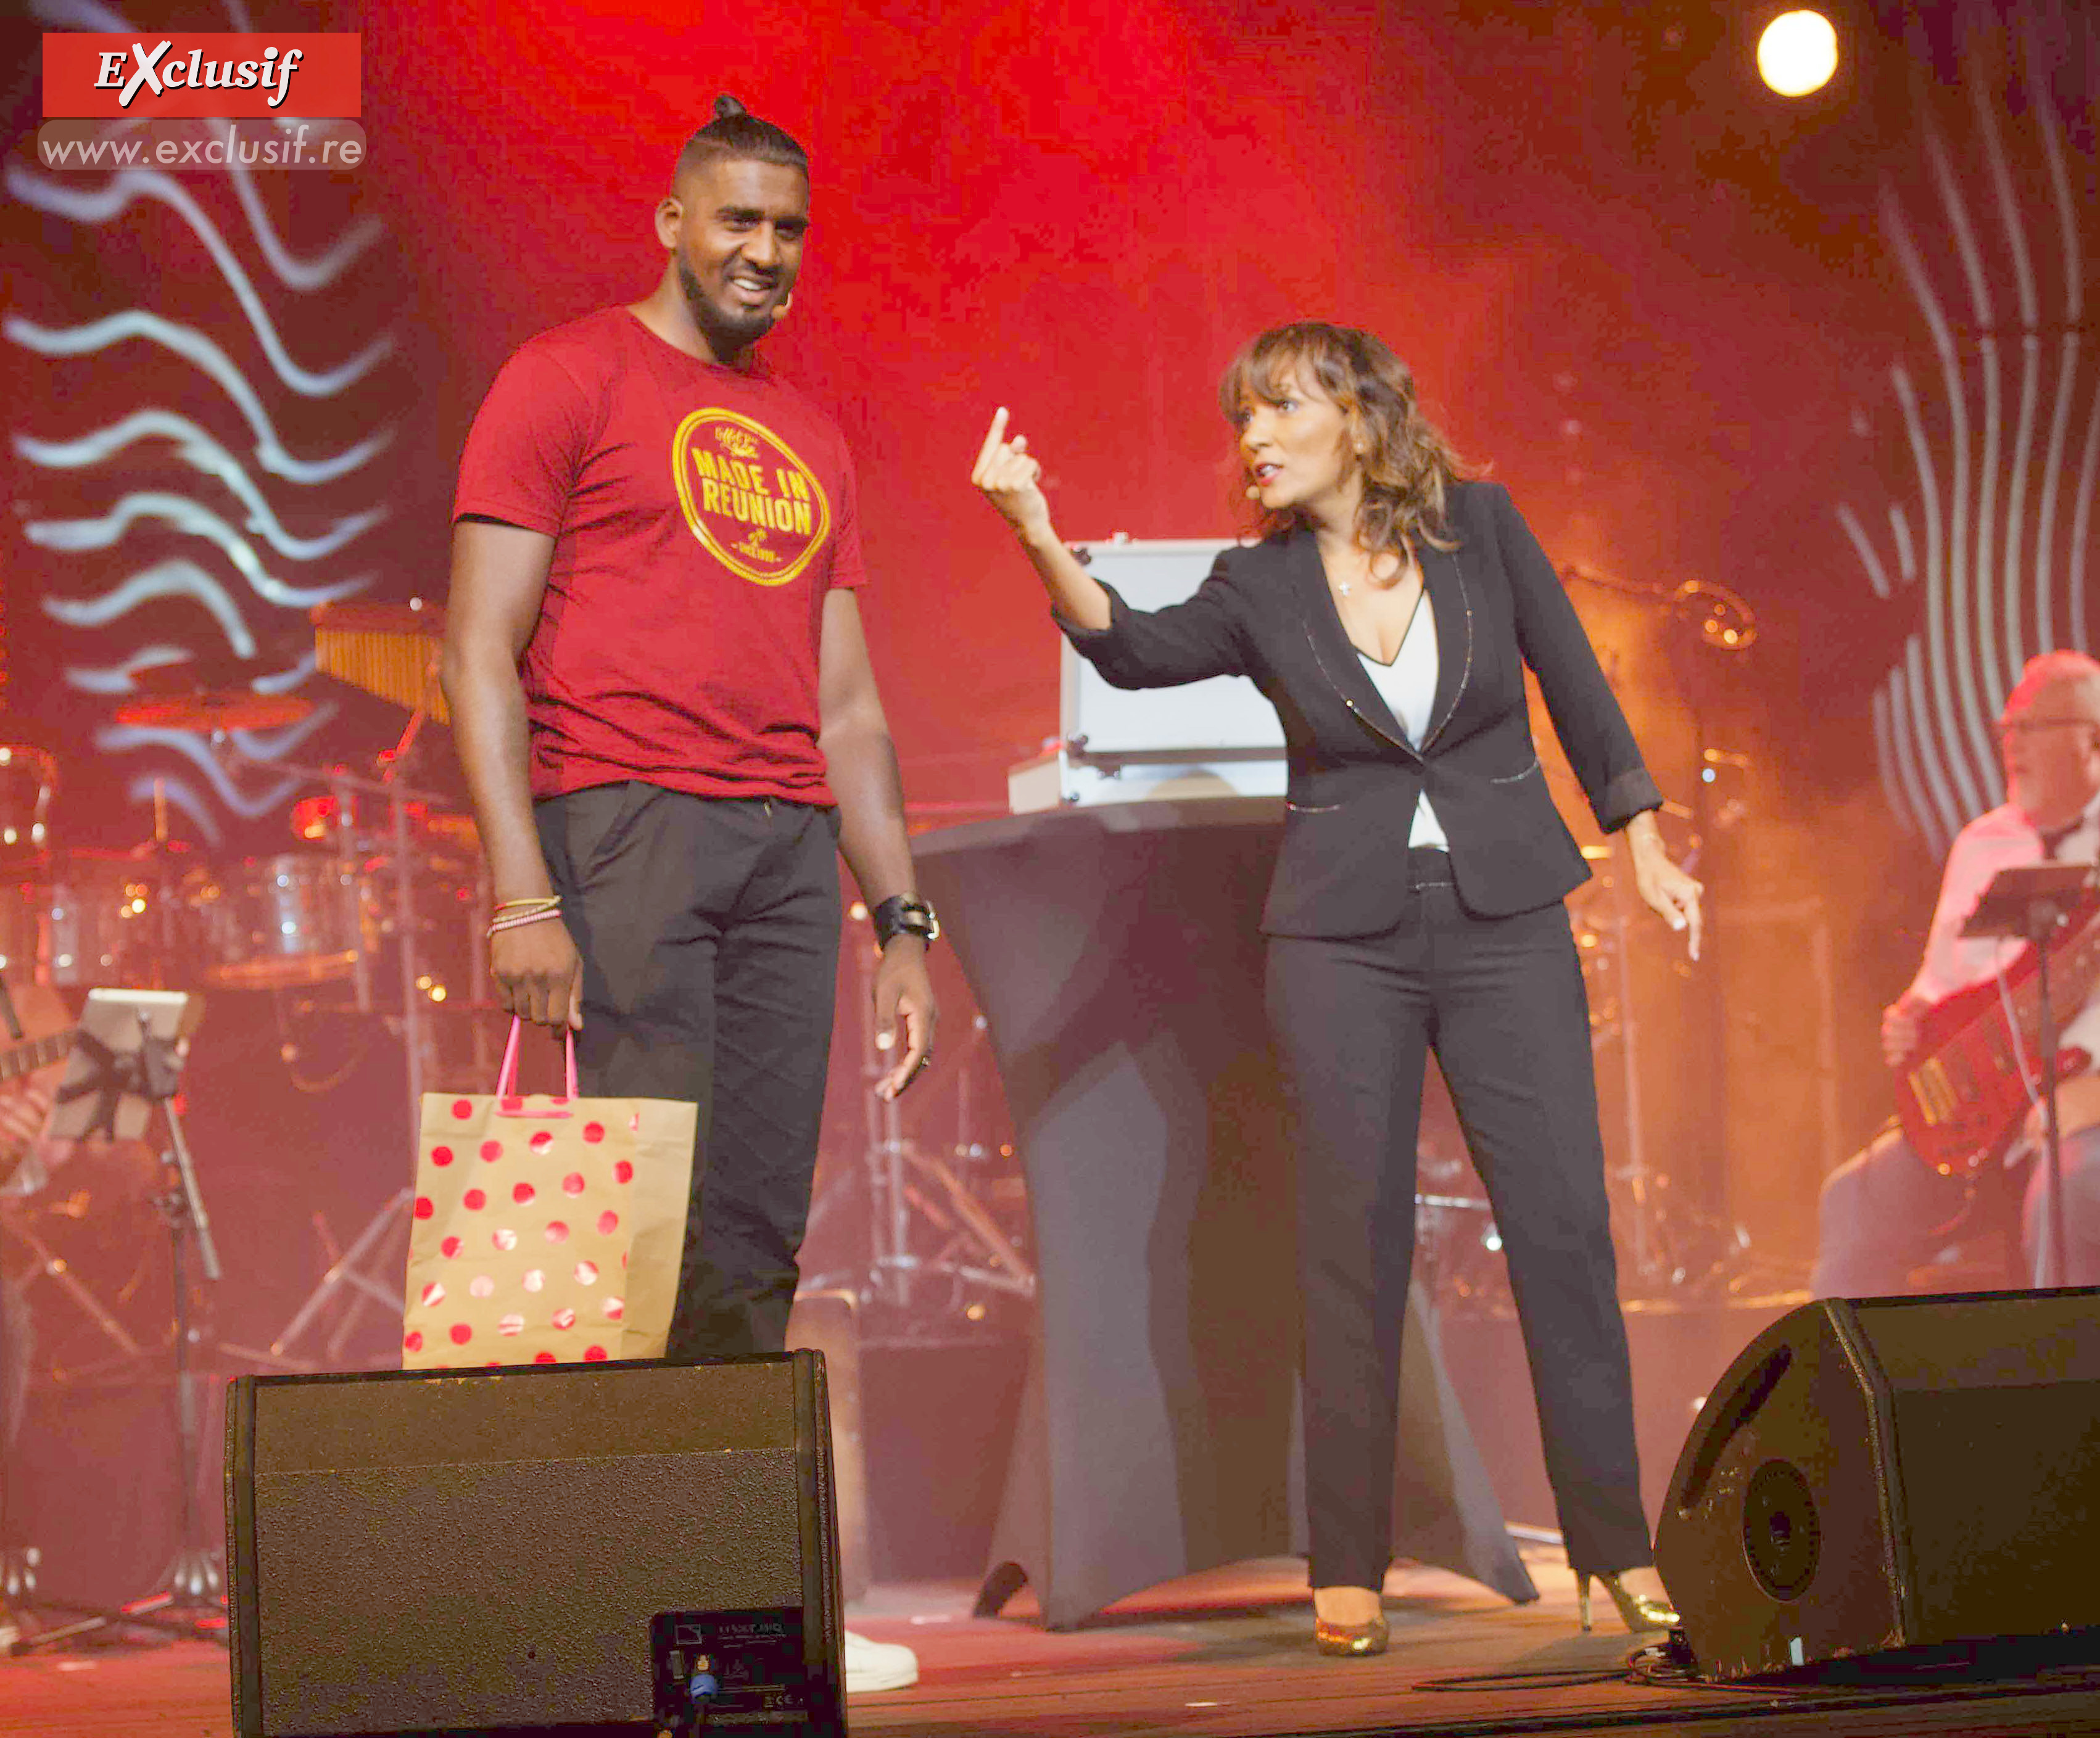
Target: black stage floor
[(1226, 1655)]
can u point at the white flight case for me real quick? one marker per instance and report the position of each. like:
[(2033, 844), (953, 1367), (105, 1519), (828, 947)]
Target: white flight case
[(1213, 738)]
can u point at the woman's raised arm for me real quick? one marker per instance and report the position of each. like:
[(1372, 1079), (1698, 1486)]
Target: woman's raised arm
[(1009, 477)]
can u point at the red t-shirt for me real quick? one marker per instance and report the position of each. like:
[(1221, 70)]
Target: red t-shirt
[(699, 515)]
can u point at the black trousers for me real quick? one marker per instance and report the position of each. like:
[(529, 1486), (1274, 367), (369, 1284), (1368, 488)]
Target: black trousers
[(709, 930), (1501, 1001)]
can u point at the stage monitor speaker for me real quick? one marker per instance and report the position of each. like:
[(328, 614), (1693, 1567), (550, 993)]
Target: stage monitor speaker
[(535, 1548), (1889, 1473), (828, 1322)]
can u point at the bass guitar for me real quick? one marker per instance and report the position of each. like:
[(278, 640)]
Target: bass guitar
[(48, 1035), (33, 1053), (1963, 1095)]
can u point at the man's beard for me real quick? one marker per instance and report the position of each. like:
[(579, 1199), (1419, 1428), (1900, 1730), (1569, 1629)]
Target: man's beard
[(726, 333)]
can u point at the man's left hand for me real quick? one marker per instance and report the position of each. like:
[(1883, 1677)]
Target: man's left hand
[(905, 1013)]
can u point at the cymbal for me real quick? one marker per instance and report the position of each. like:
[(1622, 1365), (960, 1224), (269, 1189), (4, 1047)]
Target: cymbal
[(214, 709)]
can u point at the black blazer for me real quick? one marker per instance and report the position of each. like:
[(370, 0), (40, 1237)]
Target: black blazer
[(1265, 612)]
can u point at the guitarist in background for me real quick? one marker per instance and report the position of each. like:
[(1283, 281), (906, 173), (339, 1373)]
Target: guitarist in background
[(25, 1107), (1886, 1211), (27, 1158)]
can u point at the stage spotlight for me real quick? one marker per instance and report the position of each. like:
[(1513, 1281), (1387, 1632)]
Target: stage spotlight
[(1797, 53)]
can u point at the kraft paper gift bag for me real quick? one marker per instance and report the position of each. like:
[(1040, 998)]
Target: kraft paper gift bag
[(546, 1231)]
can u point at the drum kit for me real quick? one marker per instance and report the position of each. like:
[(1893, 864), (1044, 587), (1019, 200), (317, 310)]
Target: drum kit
[(158, 915), (369, 921), (373, 867)]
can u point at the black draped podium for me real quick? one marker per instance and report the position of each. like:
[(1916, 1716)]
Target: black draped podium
[(1114, 953)]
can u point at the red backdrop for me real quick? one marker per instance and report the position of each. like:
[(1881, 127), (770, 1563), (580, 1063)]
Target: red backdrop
[(1080, 212)]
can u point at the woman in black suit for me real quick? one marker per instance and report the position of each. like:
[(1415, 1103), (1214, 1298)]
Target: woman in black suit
[(1388, 615)]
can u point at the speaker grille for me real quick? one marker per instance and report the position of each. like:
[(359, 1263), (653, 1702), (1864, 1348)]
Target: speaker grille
[(425, 1552), (360, 1634)]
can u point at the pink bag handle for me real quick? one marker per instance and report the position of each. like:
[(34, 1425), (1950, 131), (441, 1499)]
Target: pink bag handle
[(508, 1102)]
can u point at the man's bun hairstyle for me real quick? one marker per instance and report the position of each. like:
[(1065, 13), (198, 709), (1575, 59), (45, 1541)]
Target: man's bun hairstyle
[(736, 132)]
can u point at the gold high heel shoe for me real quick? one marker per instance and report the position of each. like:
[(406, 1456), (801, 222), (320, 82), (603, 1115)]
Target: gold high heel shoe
[(1350, 1640), (1637, 1611)]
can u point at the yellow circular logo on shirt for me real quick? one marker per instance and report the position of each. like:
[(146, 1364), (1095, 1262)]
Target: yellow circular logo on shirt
[(757, 509)]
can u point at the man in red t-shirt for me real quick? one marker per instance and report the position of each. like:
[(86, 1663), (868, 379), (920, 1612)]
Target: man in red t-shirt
[(664, 708)]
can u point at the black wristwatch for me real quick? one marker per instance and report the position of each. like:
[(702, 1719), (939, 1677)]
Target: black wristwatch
[(898, 916)]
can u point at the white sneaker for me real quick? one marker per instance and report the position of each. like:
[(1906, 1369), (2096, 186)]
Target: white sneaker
[(878, 1665)]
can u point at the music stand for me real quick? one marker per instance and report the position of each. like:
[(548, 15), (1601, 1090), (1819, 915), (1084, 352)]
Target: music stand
[(126, 1064), (2029, 903)]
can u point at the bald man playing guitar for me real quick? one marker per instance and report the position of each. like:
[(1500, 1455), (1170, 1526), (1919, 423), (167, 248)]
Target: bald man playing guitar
[(1899, 1204)]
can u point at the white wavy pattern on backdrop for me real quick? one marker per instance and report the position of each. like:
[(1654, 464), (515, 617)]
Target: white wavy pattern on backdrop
[(1990, 531), (226, 432)]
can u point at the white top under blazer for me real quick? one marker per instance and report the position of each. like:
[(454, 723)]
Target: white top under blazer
[(1407, 686)]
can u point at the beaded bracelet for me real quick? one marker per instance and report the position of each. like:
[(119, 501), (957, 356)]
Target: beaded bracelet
[(521, 919)]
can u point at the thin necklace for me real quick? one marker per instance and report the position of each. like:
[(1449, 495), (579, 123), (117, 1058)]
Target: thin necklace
[(1345, 588)]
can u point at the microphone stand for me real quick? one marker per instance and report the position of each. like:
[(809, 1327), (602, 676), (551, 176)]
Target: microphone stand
[(2045, 916), (17, 1576), (2032, 902), (190, 1597)]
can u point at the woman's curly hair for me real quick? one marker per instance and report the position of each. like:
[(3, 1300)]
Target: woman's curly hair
[(1407, 463)]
